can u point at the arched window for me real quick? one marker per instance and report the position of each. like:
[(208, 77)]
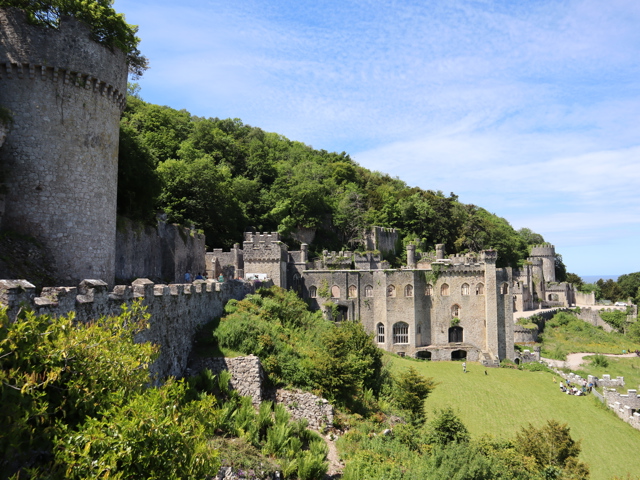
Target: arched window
[(455, 311), (465, 289), (428, 291), (391, 291), (313, 292), (368, 291), (380, 330), (505, 288), (408, 291), (353, 291), (480, 289), (335, 291), (444, 290), (455, 335), (400, 332)]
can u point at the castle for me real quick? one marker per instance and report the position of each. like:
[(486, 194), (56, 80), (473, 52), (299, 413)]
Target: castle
[(66, 92), (439, 308)]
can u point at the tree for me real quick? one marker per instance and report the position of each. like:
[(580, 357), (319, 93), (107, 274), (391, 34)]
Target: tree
[(574, 279), (553, 450), (629, 284), (106, 25), (447, 428), (610, 290), (560, 268), (411, 390)]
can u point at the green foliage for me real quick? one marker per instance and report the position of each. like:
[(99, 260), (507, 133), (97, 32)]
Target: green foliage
[(223, 175), (447, 428), (298, 348), (410, 392), (616, 318), (106, 25), (138, 183), (323, 290), (553, 450), (5, 116), (600, 361)]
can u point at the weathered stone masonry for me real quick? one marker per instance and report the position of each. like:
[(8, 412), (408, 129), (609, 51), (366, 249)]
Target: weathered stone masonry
[(60, 158), (177, 311)]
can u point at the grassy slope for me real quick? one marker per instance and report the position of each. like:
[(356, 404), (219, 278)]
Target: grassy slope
[(629, 368), (504, 400)]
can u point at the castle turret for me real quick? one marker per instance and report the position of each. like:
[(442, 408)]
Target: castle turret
[(548, 255), (440, 251), (65, 93), (411, 256), (304, 252)]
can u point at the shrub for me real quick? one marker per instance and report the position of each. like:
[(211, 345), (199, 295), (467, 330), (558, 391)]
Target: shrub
[(447, 428), (600, 361), (411, 390)]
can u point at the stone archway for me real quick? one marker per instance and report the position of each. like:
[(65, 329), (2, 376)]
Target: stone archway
[(459, 355)]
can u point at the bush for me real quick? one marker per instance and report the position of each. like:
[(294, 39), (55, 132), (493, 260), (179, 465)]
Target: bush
[(600, 361), (411, 390)]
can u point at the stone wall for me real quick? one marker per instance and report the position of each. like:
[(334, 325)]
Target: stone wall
[(592, 316), (163, 253), (385, 240), (317, 411), (247, 377), (177, 311), (585, 298), (525, 335), (626, 406), (65, 92)]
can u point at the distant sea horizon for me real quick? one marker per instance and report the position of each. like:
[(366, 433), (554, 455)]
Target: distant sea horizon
[(595, 278)]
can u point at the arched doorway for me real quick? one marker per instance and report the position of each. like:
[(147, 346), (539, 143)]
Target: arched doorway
[(455, 335), (459, 355), (424, 355)]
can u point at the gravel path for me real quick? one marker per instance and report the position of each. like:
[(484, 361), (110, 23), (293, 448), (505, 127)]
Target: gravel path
[(574, 360)]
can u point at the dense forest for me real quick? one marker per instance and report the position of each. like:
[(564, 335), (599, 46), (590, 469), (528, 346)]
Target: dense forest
[(223, 176)]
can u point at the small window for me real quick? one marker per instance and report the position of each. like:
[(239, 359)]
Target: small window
[(391, 291), (335, 291), (401, 332), (313, 292), (419, 329), (480, 289), (408, 291), (380, 330), (368, 291), (444, 290), (353, 291), (428, 291), (465, 289), (505, 288), (455, 311)]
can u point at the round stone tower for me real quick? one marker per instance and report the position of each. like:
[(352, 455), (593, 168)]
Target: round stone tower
[(65, 93), (548, 255)]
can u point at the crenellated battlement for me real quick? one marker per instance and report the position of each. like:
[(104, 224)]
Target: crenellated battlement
[(261, 237), (29, 71), (65, 93), (177, 310), (544, 250)]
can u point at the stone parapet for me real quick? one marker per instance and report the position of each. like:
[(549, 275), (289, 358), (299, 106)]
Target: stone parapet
[(177, 310)]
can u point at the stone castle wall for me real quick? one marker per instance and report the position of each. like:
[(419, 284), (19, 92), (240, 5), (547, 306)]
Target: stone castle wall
[(163, 253), (382, 239), (247, 377), (65, 93), (177, 311)]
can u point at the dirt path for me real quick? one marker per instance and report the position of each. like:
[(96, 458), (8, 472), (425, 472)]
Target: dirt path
[(335, 466), (574, 360)]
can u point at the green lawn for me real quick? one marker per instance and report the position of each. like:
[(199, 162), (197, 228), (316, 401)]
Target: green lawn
[(504, 400), (626, 367)]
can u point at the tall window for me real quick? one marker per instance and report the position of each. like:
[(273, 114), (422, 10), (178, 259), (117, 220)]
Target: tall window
[(408, 291), (465, 289), (335, 291), (428, 291), (455, 335), (368, 291), (391, 291), (380, 330), (353, 291), (455, 311), (505, 288), (400, 332), (444, 290), (313, 292), (480, 289)]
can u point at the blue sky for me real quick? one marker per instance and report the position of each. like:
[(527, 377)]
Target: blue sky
[(530, 109)]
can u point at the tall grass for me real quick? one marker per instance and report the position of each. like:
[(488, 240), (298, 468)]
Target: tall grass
[(504, 400)]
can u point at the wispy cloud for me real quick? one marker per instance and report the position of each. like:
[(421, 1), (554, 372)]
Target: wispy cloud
[(529, 109)]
